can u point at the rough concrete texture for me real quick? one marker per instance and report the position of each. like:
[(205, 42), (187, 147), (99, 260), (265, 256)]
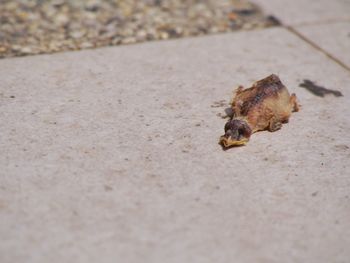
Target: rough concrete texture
[(298, 12), (111, 155), (332, 37)]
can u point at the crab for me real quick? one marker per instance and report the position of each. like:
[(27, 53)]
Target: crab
[(264, 106)]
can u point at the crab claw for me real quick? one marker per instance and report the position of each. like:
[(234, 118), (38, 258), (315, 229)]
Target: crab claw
[(237, 132)]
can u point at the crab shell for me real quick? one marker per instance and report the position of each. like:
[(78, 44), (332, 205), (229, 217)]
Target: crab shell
[(264, 106)]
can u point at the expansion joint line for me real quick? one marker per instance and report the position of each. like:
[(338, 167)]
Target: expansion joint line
[(314, 45)]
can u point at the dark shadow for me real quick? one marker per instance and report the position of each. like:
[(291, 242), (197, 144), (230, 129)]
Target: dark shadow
[(229, 112), (318, 90), (274, 20)]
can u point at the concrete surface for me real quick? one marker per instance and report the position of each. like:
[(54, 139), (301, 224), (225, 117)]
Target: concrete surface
[(299, 12), (111, 155), (332, 37)]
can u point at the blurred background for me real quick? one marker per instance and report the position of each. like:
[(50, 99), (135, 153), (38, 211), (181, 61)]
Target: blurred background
[(30, 27)]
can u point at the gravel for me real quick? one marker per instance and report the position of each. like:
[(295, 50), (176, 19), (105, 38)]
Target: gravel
[(30, 27)]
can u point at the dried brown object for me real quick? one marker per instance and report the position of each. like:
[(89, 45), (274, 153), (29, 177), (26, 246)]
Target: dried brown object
[(264, 106)]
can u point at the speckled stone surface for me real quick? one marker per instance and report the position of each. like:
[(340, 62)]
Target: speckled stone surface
[(36, 26), (111, 155)]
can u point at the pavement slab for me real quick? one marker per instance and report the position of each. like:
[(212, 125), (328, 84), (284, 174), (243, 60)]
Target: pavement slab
[(331, 37), (112, 155), (300, 12)]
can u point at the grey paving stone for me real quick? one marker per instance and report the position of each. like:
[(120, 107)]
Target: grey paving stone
[(333, 38), (111, 155), (299, 12)]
